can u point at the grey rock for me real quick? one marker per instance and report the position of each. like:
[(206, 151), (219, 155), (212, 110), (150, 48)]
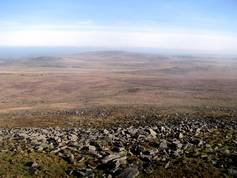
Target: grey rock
[(153, 133), (232, 172), (178, 143), (110, 158), (198, 131), (131, 172), (82, 173), (69, 158), (181, 136), (91, 148), (106, 132), (163, 145), (163, 129), (33, 167), (35, 164), (167, 165), (73, 137)]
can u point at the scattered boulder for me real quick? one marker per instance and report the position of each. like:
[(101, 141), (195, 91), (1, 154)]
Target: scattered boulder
[(153, 133), (130, 172), (124, 151), (163, 145)]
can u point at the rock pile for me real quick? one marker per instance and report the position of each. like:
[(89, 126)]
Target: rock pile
[(128, 152)]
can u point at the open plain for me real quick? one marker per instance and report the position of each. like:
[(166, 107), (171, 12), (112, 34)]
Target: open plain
[(118, 114)]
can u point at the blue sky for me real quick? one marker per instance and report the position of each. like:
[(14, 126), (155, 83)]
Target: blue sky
[(203, 24)]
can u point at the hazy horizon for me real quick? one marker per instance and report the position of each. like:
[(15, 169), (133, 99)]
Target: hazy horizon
[(25, 52)]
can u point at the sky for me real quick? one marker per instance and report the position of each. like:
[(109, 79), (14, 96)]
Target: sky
[(192, 25)]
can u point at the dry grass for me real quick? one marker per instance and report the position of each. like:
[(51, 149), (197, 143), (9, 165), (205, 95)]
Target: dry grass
[(115, 78), (112, 89)]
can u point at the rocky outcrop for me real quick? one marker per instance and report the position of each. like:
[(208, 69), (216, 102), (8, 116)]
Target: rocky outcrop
[(130, 151)]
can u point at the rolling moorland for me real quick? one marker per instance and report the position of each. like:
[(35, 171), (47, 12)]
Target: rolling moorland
[(118, 114)]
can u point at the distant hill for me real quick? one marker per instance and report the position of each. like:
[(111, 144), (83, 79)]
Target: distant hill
[(132, 62)]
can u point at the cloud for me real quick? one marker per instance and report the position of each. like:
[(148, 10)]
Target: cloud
[(88, 34)]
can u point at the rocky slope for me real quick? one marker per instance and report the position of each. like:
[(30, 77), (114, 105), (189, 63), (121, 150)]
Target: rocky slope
[(184, 147)]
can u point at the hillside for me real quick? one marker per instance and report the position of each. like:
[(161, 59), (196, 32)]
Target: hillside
[(118, 114)]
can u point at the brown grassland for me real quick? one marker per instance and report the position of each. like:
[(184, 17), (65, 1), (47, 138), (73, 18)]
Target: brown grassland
[(112, 78), (111, 88)]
